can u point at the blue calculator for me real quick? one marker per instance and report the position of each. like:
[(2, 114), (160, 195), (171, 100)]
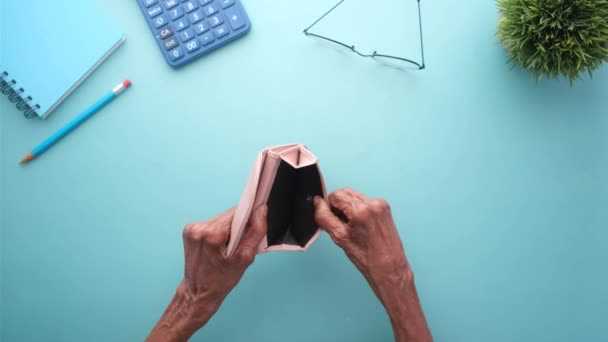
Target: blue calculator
[(188, 29)]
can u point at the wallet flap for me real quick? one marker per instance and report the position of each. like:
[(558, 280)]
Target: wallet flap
[(246, 203), (277, 150), (297, 156)]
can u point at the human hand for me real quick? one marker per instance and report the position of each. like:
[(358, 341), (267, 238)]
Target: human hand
[(365, 230), (209, 273)]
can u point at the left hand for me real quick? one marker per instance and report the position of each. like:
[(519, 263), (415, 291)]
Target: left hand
[(209, 273), (208, 270)]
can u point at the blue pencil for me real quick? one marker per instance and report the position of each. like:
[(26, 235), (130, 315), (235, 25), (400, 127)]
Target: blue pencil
[(53, 139)]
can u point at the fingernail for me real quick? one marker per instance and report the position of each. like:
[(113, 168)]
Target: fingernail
[(316, 200), (264, 210)]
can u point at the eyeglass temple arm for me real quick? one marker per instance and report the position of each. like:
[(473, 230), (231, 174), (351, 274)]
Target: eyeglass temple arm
[(421, 41), (323, 16)]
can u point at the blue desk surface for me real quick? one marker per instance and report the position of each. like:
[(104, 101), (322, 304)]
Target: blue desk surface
[(497, 182)]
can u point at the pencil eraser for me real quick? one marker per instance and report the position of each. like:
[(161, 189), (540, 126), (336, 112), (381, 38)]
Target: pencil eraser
[(126, 83)]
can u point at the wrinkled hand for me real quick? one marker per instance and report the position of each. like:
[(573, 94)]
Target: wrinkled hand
[(365, 230), (208, 269), (209, 273)]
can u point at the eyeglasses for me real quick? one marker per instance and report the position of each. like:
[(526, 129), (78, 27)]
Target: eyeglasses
[(374, 55)]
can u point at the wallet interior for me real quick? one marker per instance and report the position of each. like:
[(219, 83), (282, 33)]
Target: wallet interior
[(290, 205)]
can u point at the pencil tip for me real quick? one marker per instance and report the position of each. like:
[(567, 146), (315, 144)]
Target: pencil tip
[(27, 158)]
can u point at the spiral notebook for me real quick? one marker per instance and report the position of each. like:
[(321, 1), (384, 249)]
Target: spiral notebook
[(47, 49)]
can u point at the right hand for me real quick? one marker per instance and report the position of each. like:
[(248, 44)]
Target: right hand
[(365, 230)]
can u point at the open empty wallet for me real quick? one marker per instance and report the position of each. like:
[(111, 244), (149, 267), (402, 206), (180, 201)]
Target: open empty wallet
[(286, 178)]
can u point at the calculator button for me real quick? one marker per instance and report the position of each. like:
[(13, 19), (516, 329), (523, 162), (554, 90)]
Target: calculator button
[(216, 20), (192, 46), (210, 9), (207, 38), (165, 32), (154, 11), (201, 27), (181, 24), (170, 43), (234, 17), (170, 3), (196, 16), (221, 31), (148, 3), (160, 21), (186, 35), (190, 6), (204, 2), (176, 53), (175, 13), (226, 3)]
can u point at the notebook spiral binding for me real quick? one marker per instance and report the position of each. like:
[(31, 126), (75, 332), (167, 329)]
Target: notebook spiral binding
[(14, 95)]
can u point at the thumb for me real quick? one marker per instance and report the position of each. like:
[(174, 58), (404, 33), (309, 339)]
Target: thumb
[(329, 222), (258, 226)]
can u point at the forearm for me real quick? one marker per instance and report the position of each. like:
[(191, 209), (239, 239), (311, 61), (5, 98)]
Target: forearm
[(186, 313), (404, 310)]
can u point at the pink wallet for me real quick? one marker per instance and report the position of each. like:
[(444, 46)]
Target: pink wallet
[(286, 178)]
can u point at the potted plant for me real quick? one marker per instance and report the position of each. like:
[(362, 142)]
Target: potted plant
[(554, 38)]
